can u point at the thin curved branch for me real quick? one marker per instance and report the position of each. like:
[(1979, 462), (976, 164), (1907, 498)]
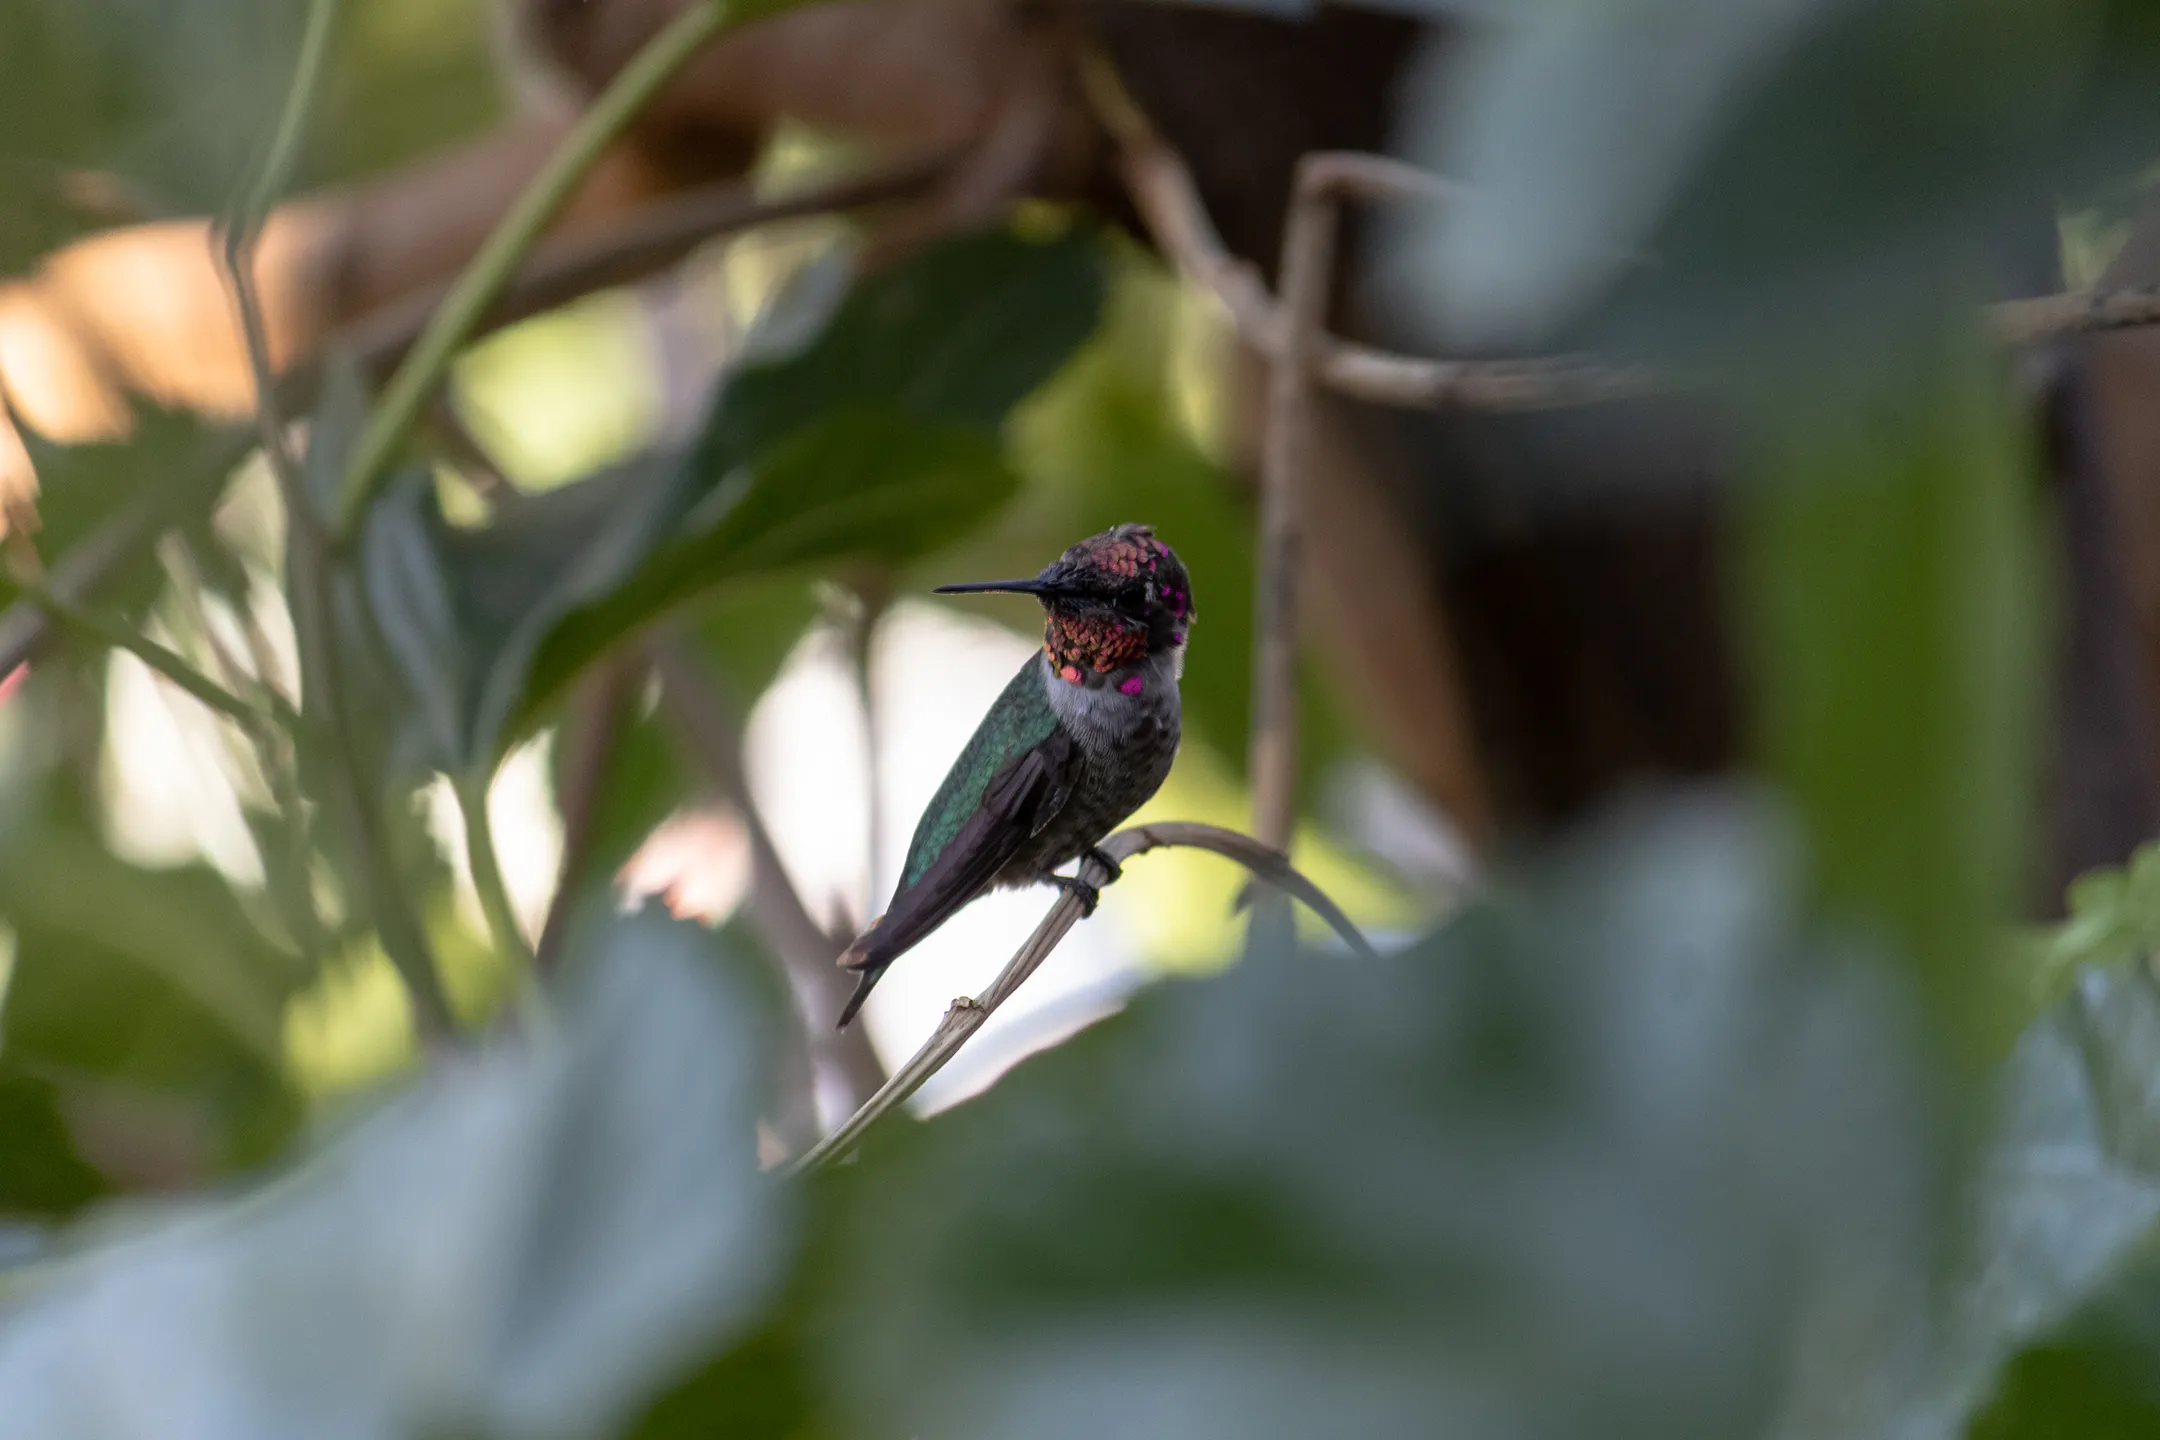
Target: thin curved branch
[(2080, 312), (1162, 189), (652, 237), (967, 1014), (1168, 199)]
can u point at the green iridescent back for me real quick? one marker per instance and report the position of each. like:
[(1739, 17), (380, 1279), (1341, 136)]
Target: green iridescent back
[(1019, 721)]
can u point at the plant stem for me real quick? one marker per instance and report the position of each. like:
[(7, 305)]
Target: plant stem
[(491, 269), (168, 663), (587, 746), (277, 167), (244, 226), (487, 879), (322, 688)]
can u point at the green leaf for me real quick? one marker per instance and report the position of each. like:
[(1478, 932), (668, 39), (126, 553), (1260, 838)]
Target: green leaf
[(154, 982), (877, 438), (171, 99), (2114, 916), (2069, 1392), (1796, 171), (1617, 1156), (82, 486), (2067, 1209), (1889, 566), (44, 1173), (858, 482), (765, 1387), (959, 334), (529, 1243)]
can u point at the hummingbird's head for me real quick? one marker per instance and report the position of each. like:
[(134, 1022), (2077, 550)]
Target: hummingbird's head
[(1110, 600)]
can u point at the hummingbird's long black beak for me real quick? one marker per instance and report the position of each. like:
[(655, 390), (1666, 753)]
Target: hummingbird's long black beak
[(1037, 587)]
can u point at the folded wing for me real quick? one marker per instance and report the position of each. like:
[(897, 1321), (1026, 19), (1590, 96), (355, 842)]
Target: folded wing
[(1023, 797)]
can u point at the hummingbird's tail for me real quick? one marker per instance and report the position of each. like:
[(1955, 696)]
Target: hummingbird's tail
[(865, 981), (914, 913)]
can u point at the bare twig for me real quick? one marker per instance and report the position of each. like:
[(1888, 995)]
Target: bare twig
[(967, 1015), (2026, 322), (1406, 382), (653, 237), (705, 726), (1308, 264), (599, 712), (1163, 191)]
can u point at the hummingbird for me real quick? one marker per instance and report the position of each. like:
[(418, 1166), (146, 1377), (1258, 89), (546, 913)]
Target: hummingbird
[(1079, 739)]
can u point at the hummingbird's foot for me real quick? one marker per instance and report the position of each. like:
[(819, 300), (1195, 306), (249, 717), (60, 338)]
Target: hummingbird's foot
[(1088, 895), (1102, 857)]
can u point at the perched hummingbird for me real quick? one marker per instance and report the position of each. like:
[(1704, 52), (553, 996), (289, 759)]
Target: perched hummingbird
[(1080, 739)]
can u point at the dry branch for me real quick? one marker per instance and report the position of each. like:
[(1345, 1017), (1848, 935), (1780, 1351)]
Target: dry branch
[(645, 241), (1164, 192), (2081, 312), (1308, 263), (967, 1015), (705, 726)]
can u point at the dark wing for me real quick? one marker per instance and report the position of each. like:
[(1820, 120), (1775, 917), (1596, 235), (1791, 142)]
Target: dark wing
[(1020, 799)]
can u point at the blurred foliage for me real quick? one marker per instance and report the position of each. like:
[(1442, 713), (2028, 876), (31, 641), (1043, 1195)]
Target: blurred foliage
[(521, 1247), (1312, 1196), (1656, 1137), (2114, 917), (878, 437), (408, 77), (529, 396), (1805, 173), (150, 981), (1892, 550), (2057, 1279), (166, 100)]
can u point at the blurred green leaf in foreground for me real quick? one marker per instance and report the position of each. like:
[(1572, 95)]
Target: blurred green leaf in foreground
[(1623, 1149), (521, 1244)]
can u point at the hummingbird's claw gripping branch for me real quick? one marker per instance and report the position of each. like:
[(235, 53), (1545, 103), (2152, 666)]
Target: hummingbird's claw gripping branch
[(1088, 895), (1099, 867)]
